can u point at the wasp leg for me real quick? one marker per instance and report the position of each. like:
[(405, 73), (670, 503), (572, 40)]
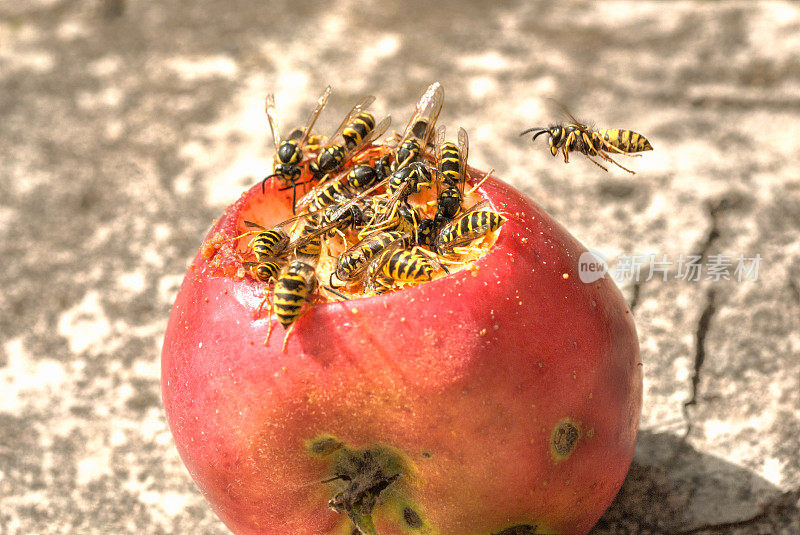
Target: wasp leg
[(476, 186), (269, 316), (291, 328), (315, 142), (466, 250), (608, 158), (335, 292), (611, 148), (432, 259), (597, 164)]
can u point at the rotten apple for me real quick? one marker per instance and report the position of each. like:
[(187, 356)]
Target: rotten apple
[(503, 398)]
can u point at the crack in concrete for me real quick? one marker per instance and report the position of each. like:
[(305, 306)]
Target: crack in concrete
[(795, 289), (635, 297), (713, 208), (703, 323)]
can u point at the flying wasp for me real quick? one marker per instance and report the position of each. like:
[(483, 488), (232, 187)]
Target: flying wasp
[(357, 130), (289, 151), (579, 137)]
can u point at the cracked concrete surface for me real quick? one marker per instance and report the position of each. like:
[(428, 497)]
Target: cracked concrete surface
[(128, 126)]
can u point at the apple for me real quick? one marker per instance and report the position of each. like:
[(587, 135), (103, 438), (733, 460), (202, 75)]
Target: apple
[(500, 399)]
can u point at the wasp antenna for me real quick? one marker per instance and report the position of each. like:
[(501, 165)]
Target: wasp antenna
[(265, 181), (294, 184), (336, 293), (529, 130)]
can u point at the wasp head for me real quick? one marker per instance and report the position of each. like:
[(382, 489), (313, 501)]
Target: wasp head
[(287, 172), (555, 133)]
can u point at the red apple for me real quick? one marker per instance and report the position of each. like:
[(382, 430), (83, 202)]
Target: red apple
[(503, 398)]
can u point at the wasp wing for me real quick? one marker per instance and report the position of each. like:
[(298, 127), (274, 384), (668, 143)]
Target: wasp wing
[(312, 119), (360, 106), (426, 113), (272, 117), (463, 152)]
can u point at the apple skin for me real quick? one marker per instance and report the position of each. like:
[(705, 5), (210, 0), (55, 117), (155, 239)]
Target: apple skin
[(467, 377)]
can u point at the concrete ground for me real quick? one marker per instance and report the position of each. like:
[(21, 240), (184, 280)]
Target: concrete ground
[(126, 127)]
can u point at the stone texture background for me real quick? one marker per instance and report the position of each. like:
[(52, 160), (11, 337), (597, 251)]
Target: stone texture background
[(126, 127)]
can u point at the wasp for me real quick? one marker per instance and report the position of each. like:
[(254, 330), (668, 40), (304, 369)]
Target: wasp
[(336, 191), (362, 177), (579, 137), (268, 242), (475, 223), (400, 185), (420, 127), (351, 264), (318, 225), (399, 264), (271, 243), (409, 179), (356, 132), (426, 232), (295, 283), (452, 167), (326, 194), (289, 151)]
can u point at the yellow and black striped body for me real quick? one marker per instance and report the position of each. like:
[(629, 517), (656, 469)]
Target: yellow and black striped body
[(426, 232), (332, 157), (269, 243), (267, 270), (332, 193), (626, 141), (449, 162), (356, 131), (448, 205), (408, 265), (413, 177), (353, 262), (341, 218), (407, 218), (311, 247), (467, 228), (408, 152), (581, 138), (291, 291)]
